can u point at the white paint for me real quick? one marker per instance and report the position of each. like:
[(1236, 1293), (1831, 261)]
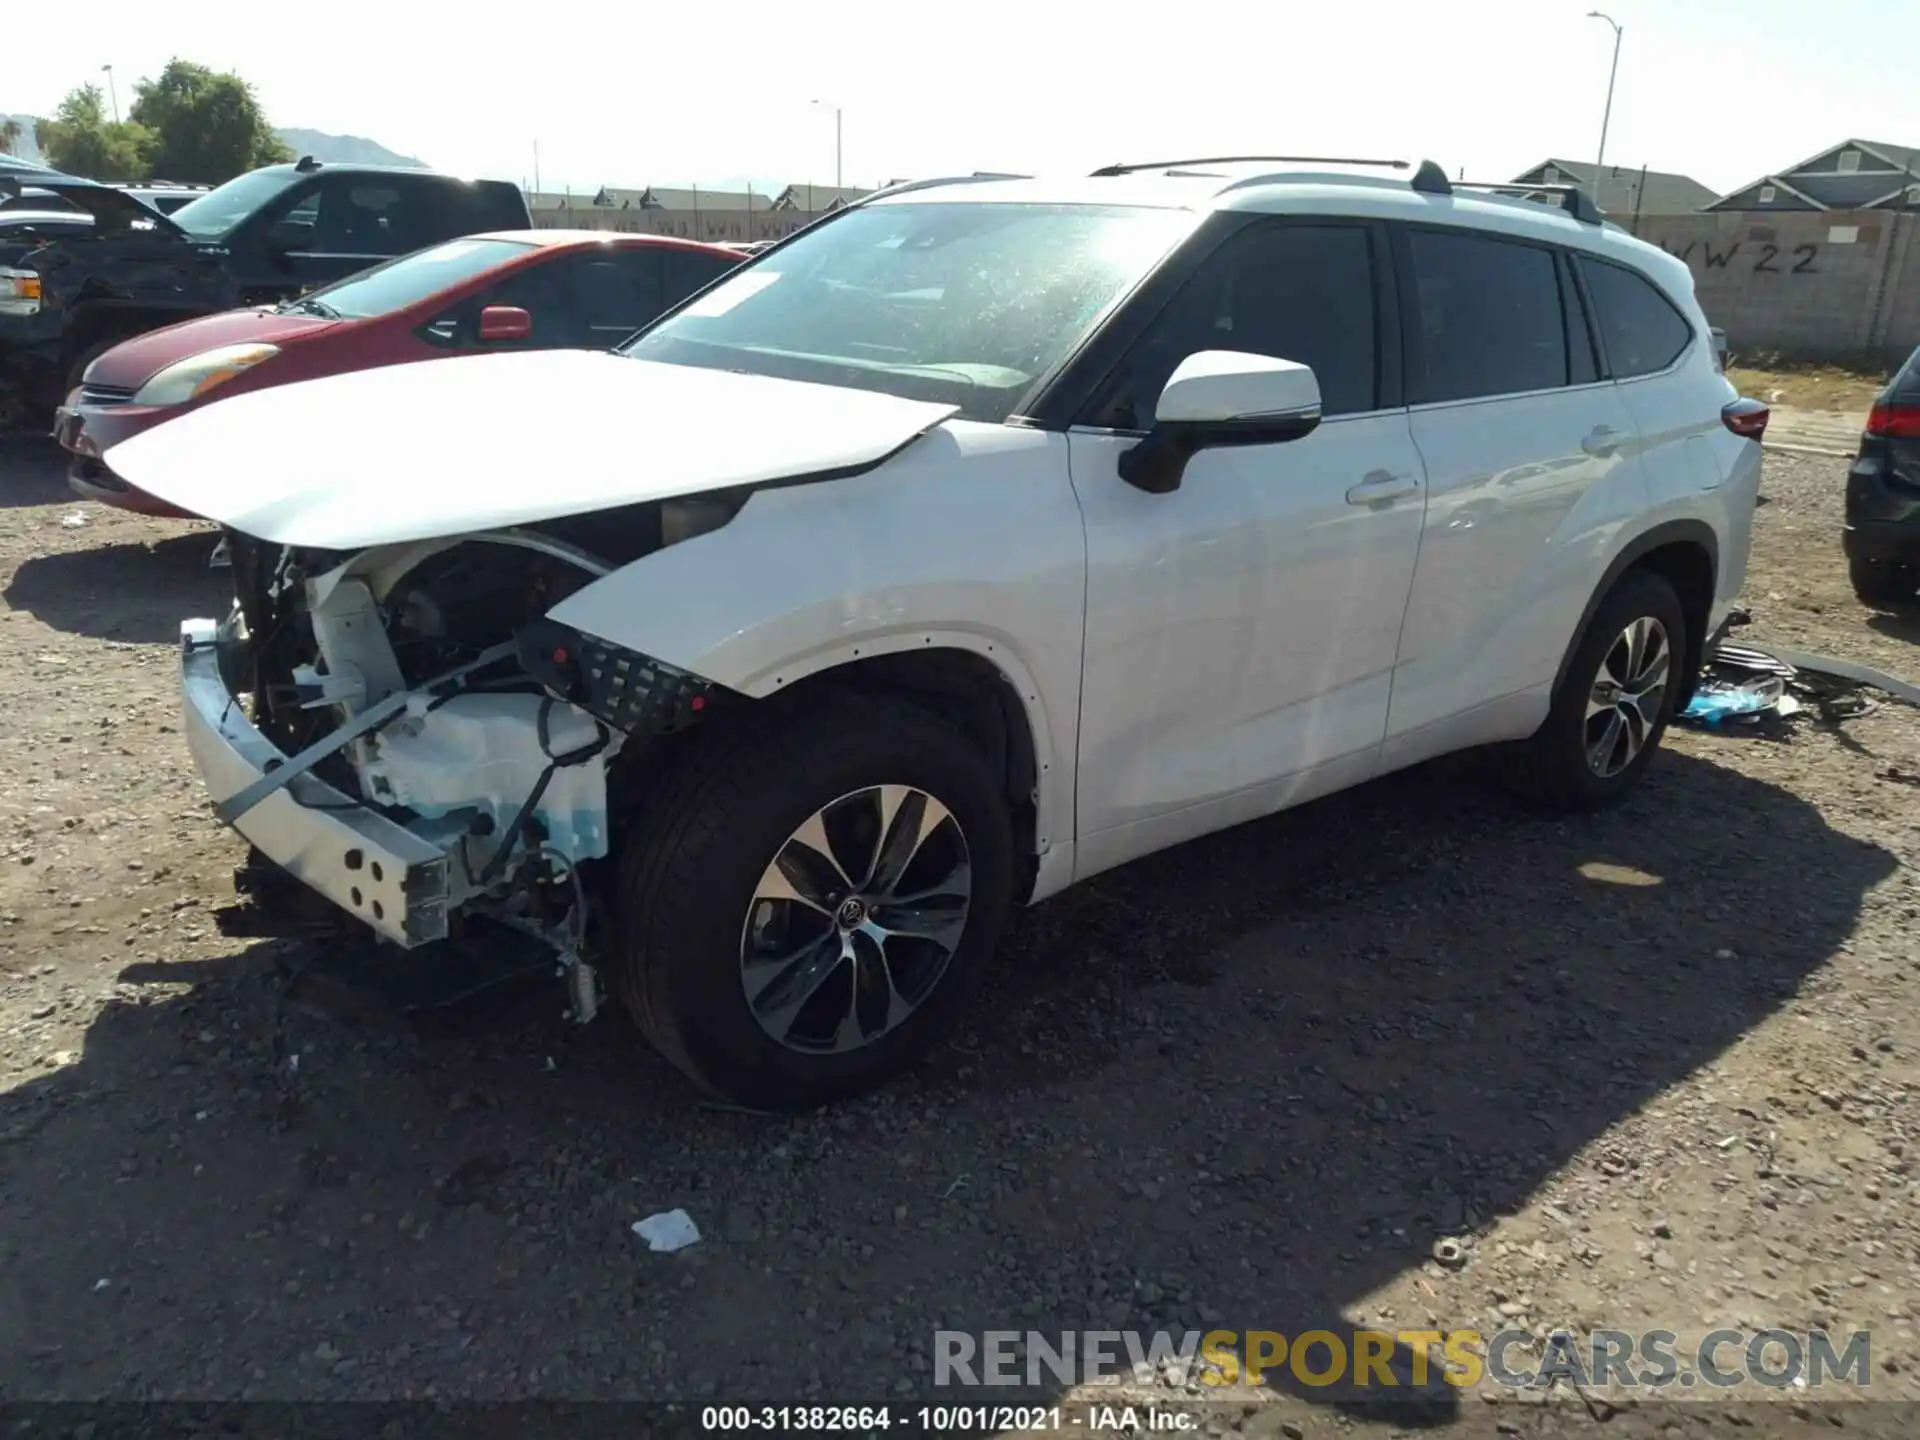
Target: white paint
[(970, 540), (413, 452), (1229, 385), (1843, 234)]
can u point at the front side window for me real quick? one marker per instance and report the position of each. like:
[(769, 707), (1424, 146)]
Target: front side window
[(411, 278), (1639, 327), (1488, 319), (1286, 291), (217, 212), (962, 302)]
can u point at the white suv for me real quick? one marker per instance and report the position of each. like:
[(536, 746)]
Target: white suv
[(977, 539)]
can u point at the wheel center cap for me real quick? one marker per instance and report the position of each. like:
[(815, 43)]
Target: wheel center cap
[(853, 913)]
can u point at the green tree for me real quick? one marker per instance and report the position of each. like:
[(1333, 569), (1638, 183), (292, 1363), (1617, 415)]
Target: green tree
[(10, 133), (207, 127), (81, 140)]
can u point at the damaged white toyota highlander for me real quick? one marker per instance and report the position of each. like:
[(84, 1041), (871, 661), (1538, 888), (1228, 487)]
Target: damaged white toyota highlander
[(968, 543)]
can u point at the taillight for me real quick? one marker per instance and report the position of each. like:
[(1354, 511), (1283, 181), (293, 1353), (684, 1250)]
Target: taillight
[(1895, 422), (1745, 418)]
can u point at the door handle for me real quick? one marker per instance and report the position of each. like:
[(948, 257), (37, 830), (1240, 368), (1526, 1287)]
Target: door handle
[(1602, 440), (1382, 486)]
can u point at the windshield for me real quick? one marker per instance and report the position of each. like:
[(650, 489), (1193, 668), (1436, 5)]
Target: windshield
[(220, 209), (965, 303), (411, 278)]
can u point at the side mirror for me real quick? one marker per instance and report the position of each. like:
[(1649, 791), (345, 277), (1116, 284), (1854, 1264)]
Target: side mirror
[(1221, 397), (504, 322)]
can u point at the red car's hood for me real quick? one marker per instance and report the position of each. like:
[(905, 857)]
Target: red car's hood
[(129, 365)]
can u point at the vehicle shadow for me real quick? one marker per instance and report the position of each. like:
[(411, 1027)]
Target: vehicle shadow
[(124, 591), (1241, 1086), (1896, 624), (33, 471)]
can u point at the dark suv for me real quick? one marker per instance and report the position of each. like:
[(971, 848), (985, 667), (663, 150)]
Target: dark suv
[(67, 296), (1882, 534)]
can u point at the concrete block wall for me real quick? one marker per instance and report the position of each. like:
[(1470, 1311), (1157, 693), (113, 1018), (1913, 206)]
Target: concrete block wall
[(1836, 283)]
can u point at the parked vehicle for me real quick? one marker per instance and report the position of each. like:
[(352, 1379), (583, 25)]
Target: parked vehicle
[(515, 290), (970, 542), (1882, 533), (69, 295)]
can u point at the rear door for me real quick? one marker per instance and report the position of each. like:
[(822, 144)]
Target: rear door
[(1530, 466)]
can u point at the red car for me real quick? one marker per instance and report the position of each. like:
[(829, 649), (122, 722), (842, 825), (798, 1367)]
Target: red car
[(512, 290)]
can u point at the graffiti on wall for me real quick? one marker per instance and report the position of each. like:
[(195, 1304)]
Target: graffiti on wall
[(1760, 259)]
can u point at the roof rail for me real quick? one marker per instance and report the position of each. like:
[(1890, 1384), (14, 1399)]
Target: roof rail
[(1106, 171), (1572, 199)]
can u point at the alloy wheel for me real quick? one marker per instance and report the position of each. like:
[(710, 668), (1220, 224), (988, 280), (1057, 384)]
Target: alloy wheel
[(1623, 706), (856, 919)]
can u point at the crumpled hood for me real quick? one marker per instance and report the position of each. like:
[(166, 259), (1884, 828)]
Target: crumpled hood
[(418, 452)]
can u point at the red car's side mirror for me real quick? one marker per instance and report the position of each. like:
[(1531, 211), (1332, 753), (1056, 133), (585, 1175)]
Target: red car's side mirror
[(504, 322)]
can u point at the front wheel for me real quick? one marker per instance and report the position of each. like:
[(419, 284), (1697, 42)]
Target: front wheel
[(1613, 707), (807, 902)]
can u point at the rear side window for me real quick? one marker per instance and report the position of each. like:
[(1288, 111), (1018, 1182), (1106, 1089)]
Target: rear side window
[(1487, 318), (1639, 327), (689, 270)]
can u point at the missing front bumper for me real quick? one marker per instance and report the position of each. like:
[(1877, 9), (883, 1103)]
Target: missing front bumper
[(377, 871)]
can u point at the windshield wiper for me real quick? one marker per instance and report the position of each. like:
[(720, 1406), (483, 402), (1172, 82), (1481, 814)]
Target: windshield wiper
[(306, 305)]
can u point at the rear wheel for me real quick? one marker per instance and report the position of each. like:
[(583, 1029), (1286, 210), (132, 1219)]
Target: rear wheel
[(1883, 582), (808, 901), (1613, 707)]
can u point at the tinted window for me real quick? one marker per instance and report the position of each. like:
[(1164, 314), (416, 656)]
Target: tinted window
[(412, 278), (686, 271), (1487, 318), (351, 215), (1639, 327), (541, 290), (222, 208), (1292, 292), (615, 292)]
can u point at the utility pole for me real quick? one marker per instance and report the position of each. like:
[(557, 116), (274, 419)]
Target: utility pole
[(1607, 115), (113, 91), (828, 105)]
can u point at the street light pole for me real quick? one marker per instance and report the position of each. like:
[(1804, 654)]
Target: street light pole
[(1606, 115), (827, 105), (114, 91)]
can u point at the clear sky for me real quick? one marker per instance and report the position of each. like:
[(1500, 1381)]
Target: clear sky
[(649, 92)]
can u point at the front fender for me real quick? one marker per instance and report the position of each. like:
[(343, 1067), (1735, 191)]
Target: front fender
[(969, 540)]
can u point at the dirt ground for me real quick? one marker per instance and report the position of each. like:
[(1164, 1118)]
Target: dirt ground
[(1810, 387), (1654, 1069)]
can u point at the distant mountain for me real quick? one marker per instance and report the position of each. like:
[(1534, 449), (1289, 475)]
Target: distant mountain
[(343, 149)]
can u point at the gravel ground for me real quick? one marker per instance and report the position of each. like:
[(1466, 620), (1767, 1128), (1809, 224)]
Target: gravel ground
[(1655, 1069)]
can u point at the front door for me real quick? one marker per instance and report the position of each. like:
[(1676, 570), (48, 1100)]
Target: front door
[(1241, 631)]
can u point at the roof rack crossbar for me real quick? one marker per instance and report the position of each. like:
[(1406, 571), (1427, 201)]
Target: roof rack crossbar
[(1107, 171), (1572, 199)]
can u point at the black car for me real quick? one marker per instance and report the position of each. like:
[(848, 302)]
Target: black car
[(69, 294), (1882, 534)]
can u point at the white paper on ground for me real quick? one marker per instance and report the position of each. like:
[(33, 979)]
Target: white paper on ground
[(668, 1231)]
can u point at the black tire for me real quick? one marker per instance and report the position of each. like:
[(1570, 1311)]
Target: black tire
[(709, 830), (1883, 582), (1551, 767)]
